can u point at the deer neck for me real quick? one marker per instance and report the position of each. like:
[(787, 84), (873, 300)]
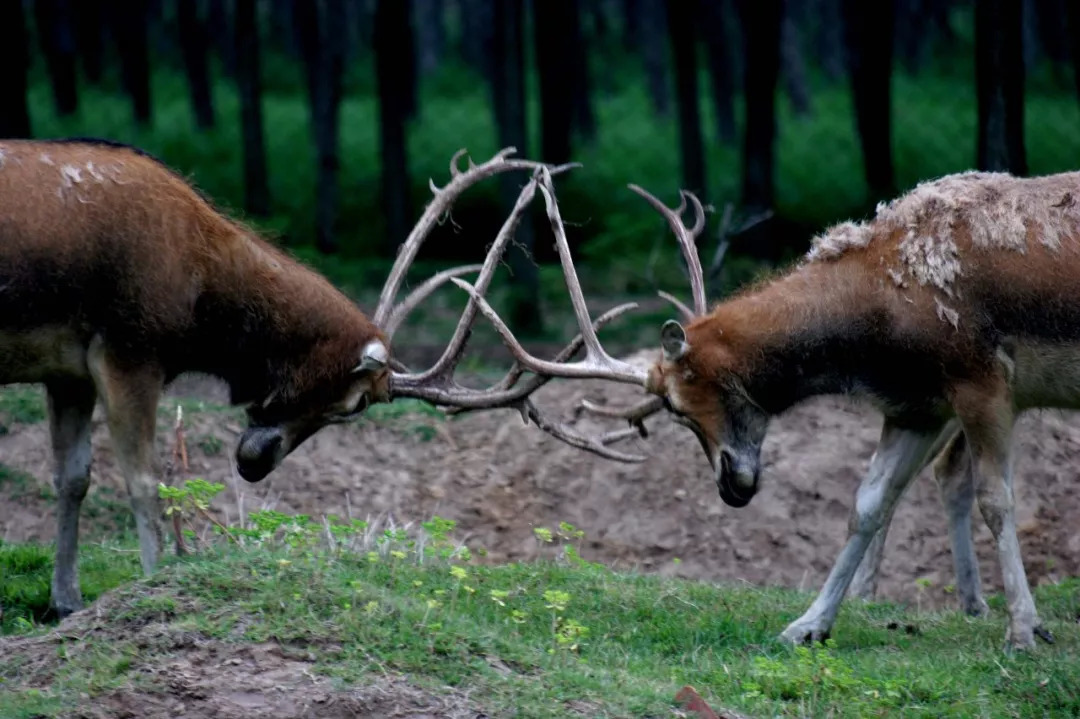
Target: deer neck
[(270, 323), (812, 332)]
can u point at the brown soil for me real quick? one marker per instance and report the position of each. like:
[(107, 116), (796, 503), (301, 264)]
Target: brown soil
[(499, 479)]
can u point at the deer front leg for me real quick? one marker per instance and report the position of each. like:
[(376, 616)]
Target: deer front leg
[(130, 393), (988, 416), (952, 470), (71, 407), (900, 454)]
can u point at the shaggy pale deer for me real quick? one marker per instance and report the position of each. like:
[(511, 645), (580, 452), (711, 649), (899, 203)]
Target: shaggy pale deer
[(116, 276), (953, 310)]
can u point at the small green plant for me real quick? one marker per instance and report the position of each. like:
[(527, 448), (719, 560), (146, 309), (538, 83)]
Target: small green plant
[(922, 584), (183, 503)]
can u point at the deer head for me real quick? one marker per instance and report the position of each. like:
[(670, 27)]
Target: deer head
[(693, 377), (279, 424)]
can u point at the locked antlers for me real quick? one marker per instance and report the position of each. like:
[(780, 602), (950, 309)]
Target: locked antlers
[(437, 384)]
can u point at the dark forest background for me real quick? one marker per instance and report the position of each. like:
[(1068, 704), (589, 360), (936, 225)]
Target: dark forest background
[(321, 121)]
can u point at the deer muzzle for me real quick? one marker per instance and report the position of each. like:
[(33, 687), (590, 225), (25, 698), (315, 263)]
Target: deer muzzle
[(261, 449), (736, 478)]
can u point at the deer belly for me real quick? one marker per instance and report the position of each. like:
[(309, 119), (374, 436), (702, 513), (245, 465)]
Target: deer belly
[(1047, 375), (41, 354)]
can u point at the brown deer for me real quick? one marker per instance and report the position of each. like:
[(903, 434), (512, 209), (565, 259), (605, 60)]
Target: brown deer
[(116, 276), (953, 310)]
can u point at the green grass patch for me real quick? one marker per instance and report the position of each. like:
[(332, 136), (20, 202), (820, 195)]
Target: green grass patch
[(21, 404), (538, 638), (26, 574)]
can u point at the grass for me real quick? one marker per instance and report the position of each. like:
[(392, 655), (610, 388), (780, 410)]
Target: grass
[(542, 638), (21, 404)]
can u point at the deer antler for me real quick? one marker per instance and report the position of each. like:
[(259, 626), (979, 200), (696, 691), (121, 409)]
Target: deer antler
[(388, 316), (686, 236), (597, 364), (437, 384)]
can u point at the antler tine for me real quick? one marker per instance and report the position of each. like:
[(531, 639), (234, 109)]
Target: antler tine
[(583, 369), (454, 348), (635, 414), (590, 444), (686, 237), (440, 390), (537, 381), (444, 198), (686, 312), (421, 293)]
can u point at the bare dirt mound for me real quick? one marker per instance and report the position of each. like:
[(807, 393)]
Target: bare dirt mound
[(499, 479), (182, 675)]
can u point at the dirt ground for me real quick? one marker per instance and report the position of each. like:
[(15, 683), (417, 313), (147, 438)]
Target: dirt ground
[(499, 479), (183, 675)]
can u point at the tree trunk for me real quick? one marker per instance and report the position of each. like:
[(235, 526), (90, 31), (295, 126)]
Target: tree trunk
[(556, 68), (1073, 17), (1052, 34), (54, 28), (721, 72), (999, 69), (682, 32), (89, 29), (131, 34), (870, 44), (584, 118), (256, 190), (912, 34), (829, 37), (631, 14), (326, 103), (393, 52), (193, 43), (14, 64), (225, 39), (280, 30), (654, 53), (761, 28), (305, 17), (476, 35), (508, 90), (431, 33), (792, 64)]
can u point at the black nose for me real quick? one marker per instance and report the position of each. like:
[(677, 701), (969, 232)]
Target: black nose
[(732, 494), (256, 455)]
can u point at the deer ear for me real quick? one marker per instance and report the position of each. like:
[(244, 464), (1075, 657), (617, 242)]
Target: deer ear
[(374, 357), (673, 341)]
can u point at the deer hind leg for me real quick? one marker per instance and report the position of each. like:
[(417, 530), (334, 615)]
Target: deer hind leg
[(130, 393), (952, 470), (900, 454), (71, 407), (988, 416)]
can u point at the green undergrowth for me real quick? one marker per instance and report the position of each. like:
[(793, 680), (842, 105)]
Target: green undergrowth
[(555, 636)]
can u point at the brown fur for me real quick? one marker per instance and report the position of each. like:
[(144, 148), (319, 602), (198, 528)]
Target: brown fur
[(139, 255), (913, 310), (116, 276)]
